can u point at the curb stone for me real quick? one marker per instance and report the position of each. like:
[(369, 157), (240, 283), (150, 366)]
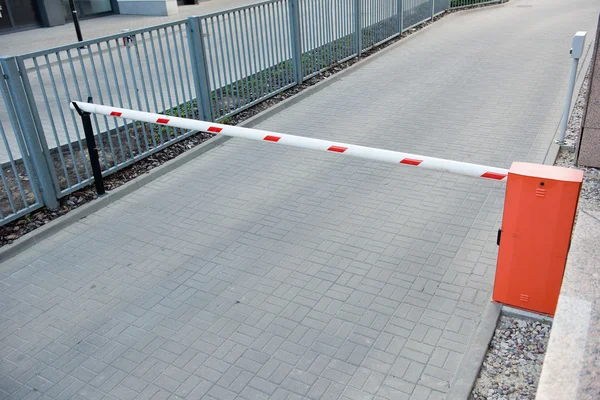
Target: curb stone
[(517, 313), (465, 378)]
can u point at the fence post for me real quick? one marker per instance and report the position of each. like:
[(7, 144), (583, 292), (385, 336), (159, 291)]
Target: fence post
[(199, 67), (432, 9), (35, 141), (296, 38), (358, 27), (400, 16)]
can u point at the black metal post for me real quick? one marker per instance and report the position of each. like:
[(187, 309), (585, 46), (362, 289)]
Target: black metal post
[(76, 20), (91, 147)]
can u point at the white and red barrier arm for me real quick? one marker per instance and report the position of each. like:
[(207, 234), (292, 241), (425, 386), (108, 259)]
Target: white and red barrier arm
[(388, 156)]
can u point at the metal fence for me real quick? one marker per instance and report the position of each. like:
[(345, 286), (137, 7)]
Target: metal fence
[(19, 192), (248, 55), (470, 3), (439, 6), (148, 69), (327, 33), (208, 67)]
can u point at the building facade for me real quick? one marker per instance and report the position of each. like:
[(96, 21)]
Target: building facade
[(18, 15)]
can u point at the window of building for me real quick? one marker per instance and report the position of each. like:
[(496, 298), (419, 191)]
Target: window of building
[(87, 8)]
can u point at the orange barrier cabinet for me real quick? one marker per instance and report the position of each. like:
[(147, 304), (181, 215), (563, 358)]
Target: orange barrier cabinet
[(539, 211)]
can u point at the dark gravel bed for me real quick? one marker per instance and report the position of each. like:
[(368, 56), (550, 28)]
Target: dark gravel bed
[(513, 364)]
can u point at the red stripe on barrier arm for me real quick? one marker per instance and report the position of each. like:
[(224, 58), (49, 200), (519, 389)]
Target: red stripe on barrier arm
[(270, 138), (493, 175), (411, 161), (337, 149), (388, 156)]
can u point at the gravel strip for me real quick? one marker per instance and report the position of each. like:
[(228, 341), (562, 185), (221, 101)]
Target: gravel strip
[(513, 364), (590, 191)]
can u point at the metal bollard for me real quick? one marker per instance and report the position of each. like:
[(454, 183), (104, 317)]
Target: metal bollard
[(576, 53)]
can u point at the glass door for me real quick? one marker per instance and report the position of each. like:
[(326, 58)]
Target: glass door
[(87, 8), (94, 7)]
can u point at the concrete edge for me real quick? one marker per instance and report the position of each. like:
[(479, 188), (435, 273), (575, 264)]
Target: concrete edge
[(471, 363), (71, 217), (554, 148), (515, 312)]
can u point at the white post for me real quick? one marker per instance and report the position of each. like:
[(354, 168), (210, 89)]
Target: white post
[(576, 53)]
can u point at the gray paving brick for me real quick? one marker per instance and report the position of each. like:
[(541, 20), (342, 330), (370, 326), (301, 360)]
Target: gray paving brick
[(421, 393), (199, 391), (438, 357), (90, 393), (399, 384), (250, 393), (441, 385), (388, 392), (122, 392), (9, 385), (135, 383), (220, 393), (413, 372), (262, 385)]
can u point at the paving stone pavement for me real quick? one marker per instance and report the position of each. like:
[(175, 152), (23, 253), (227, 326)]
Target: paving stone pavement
[(258, 271)]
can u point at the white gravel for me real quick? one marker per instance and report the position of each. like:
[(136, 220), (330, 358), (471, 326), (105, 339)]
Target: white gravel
[(590, 191), (513, 363)]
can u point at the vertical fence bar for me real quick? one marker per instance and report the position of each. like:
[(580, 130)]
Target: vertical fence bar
[(40, 165), (357, 27), (294, 11), (432, 9), (15, 172), (38, 124), (199, 68), (400, 16)]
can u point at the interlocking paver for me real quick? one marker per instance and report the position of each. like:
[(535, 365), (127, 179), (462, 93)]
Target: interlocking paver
[(260, 271)]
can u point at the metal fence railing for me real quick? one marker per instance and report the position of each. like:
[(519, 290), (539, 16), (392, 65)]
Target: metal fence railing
[(248, 55), (327, 33), (470, 3), (439, 6), (379, 21), (149, 69), (208, 67), (19, 192), (416, 12)]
